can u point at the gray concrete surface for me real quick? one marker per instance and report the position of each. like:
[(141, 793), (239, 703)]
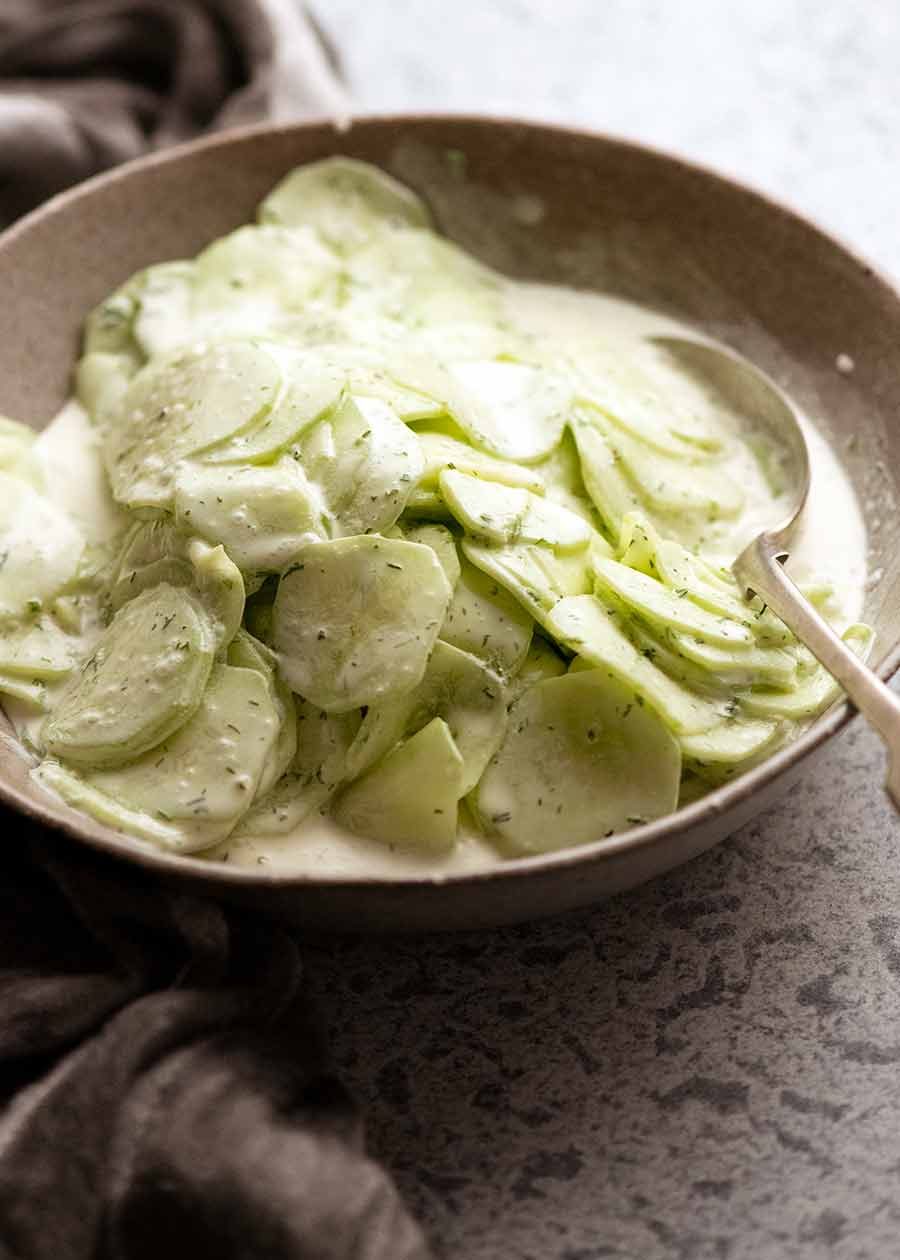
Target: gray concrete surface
[(708, 1067)]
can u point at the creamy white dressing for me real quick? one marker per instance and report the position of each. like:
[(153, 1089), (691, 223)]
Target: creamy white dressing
[(831, 546)]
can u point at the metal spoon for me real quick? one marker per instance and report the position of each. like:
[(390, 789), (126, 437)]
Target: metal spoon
[(759, 567)]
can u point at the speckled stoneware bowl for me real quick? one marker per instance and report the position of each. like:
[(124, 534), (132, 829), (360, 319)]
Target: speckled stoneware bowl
[(536, 202)]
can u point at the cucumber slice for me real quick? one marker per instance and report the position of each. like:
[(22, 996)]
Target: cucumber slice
[(101, 381), (561, 473), (317, 770), (260, 514), (78, 793), (163, 318), (40, 548), (733, 744), (201, 780), (631, 386), (143, 681), (511, 410), (585, 626), (815, 690), (311, 394), (432, 288), (155, 551), (365, 462), (256, 278), (610, 490), (534, 575), (32, 693), (178, 406), (485, 620), (410, 798), (442, 543), (456, 687), (750, 666), (245, 652), (346, 201), (109, 328), (505, 514), (355, 619), (671, 609), (38, 650), (427, 505), (581, 760), (542, 661), (441, 451), (672, 486)]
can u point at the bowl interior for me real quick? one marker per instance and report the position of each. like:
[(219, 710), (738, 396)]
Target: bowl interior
[(540, 203)]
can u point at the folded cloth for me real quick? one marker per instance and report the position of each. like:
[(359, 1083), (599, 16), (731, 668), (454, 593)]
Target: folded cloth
[(161, 1082), (85, 84)]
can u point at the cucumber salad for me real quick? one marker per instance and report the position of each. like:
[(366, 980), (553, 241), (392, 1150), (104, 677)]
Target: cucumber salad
[(348, 539)]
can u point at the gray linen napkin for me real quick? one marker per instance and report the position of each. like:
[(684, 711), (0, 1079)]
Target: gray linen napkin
[(162, 1087), (85, 84)]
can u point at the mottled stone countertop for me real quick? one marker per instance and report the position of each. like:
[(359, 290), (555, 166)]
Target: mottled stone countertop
[(708, 1067)]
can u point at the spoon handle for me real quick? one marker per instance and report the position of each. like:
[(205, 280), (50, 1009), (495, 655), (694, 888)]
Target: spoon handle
[(759, 569)]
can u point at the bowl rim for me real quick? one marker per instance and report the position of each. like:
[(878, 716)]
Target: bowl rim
[(717, 802)]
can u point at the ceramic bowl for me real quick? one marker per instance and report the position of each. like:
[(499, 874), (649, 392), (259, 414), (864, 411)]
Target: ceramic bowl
[(540, 203)]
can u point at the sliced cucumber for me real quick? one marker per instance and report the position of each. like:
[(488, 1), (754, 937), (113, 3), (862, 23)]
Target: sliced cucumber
[(143, 681), (365, 462), (317, 770), (734, 743), (200, 781), (355, 619), (632, 387), (36, 649), (180, 405), (346, 201), (260, 514), (534, 575), (442, 451), (246, 652), (310, 394), (256, 278), (81, 795), (670, 609), (506, 514), (814, 691), (542, 661), (432, 288), (581, 760), (511, 410), (156, 551), (484, 619), (32, 693), (109, 328), (163, 319), (456, 687), (773, 667), (610, 490), (40, 548), (441, 542), (587, 627), (671, 486), (388, 803), (101, 382)]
